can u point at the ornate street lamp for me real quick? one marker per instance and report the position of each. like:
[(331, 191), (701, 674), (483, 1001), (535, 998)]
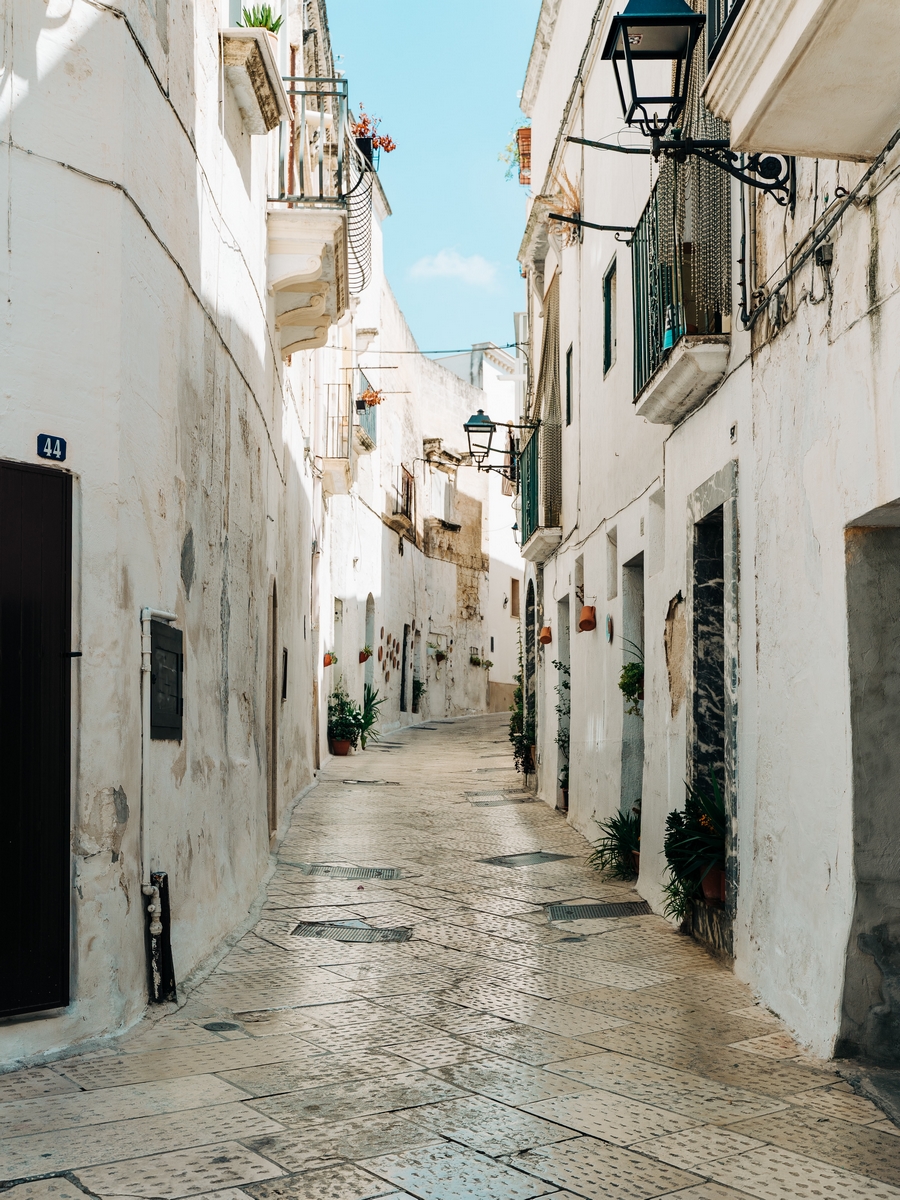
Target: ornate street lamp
[(646, 39), (480, 430)]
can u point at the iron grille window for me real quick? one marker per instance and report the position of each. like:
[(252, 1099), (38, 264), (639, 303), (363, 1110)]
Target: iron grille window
[(720, 16), (529, 486), (406, 495), (367, 413), (609, 317)]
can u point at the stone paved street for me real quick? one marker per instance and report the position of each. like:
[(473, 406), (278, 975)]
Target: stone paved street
[(492, 1055)]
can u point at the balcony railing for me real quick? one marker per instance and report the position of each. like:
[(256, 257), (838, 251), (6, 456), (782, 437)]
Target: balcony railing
[(337, 420), (720, 16), (314, 144), (368, 420), (681, 263), (529, 484)]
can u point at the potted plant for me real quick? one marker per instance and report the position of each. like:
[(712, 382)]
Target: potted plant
[(694, 847), (369, 715), (330, 659), (486, 663), (369, 141), (521, 726), (262, 17), (631, 681), (475, 660), (365, 654), (563, 690), (418, 692), (614, 853), (344, 722)]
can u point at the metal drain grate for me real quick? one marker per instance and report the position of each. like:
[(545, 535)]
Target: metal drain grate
[(591, 912), (372, 782), (334, 872), (501, 799), (349, 933), (532, 859)]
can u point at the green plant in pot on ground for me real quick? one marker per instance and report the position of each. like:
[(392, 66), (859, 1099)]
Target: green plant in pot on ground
[(613, 853), (369, 715), (563, 690), (345, 718), (694, 846), (521, 724)]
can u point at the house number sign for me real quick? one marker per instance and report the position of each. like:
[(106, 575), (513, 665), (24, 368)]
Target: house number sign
[(52, 447)]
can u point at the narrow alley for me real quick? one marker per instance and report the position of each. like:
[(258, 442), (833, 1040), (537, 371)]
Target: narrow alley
[(418, 1011)]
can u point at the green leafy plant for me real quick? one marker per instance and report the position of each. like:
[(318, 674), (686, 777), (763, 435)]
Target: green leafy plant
[(367, 650), (370, 714), (613, 852), (563, 712), (474, 660), (344, 718), (417, 693), (260, 17), (486, 663), (521, 724), (694, 844), (631, 681)]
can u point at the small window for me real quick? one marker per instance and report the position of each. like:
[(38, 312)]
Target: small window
[(166, 687), (609, 318), (406, 494), (569, 386), (492, 645), (514, 598)]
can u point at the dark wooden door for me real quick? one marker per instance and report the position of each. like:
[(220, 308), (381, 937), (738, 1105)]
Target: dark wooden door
[(35, 703)]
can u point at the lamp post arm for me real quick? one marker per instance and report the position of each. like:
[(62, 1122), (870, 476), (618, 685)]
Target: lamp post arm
[(609, 146)]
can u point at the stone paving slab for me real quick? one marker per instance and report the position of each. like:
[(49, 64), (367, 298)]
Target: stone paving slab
[(494, 1056)]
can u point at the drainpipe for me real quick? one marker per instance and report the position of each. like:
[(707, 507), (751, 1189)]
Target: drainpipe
[(149, 888)]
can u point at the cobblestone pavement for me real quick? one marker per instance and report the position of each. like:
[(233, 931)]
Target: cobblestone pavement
[(493, 1055)]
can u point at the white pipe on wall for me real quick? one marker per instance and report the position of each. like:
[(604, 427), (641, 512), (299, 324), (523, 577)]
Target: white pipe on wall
[(147, 615)]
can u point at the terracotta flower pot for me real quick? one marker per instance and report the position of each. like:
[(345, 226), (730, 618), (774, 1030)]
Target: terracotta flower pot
[(328, 660), (713, 884), (363, 657), (545, 637), (588, 619), (340, 747)]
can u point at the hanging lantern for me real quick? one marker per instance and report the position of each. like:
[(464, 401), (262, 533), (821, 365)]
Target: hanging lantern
[(480, 431), (650, 46)]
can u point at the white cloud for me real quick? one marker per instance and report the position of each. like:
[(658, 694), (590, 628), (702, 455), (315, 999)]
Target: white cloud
[(450, 264)]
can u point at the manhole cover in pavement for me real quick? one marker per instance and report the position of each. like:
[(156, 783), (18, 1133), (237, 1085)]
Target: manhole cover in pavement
[(220, 1026), (339, 932), (331, 871), (591, 912), (533, 859)]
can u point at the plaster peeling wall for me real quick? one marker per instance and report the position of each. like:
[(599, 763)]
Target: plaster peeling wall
[(136, 321)]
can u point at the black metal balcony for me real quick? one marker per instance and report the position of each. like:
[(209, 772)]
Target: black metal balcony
[(720, 16)]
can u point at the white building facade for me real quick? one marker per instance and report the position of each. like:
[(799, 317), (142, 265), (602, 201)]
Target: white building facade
[(716, 475), (188, 492)]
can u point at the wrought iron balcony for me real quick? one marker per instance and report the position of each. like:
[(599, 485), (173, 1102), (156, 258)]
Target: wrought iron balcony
[(540, 492), (335, 461), (720, 16), (314, 147), (681, 254)]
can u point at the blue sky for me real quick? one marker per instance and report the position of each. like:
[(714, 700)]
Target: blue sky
[(445, 80)]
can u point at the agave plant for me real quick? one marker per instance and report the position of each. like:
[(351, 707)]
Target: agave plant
[(260, 17), (613, 853), (369, 715)]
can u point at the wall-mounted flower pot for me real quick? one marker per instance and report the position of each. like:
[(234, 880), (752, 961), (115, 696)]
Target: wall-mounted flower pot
[(588, 619), (545, 637), (713, 884), (340, 747), (328, 660), (363, 656), (364, 146)]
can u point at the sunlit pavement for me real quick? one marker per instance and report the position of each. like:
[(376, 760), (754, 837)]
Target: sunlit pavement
[(493, 1055)]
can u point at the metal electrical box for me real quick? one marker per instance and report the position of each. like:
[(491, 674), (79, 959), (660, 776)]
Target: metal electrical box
[(166, 682)]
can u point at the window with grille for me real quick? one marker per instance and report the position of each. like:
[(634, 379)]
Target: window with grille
[(609, 318)]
